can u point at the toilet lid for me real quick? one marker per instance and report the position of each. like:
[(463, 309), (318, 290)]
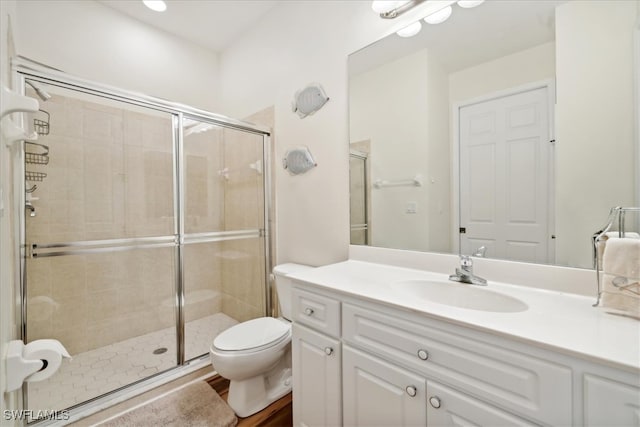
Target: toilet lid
[(251, 334)]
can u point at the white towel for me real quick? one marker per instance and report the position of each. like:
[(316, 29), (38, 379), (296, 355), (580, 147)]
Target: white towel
[(621, 275), (611, 234)]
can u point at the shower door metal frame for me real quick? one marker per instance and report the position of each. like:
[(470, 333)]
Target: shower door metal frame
[(364, 157), (23, 69)]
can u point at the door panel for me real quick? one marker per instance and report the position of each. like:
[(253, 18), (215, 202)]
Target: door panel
[(504, 177), (316, 376), (101, 265), (448, 407), (378, 393)]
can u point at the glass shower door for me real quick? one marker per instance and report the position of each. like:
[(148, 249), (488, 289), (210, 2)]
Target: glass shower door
[(359, 221), (224, 243), (101, 262)]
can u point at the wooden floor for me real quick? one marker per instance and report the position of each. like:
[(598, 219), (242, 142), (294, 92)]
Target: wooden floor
[(278, 414)]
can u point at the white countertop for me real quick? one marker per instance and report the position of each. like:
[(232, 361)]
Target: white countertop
[(561, 321)]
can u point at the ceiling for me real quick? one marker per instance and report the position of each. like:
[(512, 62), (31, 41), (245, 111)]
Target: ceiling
[(213, 24)]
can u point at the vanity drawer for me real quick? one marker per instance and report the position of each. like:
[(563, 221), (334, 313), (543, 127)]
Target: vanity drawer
[(317, 311), (516, 381)]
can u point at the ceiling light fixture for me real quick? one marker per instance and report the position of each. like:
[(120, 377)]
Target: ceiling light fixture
[(393, 9), (468, 4), (389, 9), (384, 6), (410, 30), (155, 5), (439, 17)]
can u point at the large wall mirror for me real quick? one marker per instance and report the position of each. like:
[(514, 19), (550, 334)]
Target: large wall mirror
[(510, 126)]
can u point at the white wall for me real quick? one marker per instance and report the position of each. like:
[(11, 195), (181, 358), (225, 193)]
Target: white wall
[(530, 65), (295, 44), (401, 107), (8, 330), (388, 106), (594, 119), (93, 41), (439, 178)]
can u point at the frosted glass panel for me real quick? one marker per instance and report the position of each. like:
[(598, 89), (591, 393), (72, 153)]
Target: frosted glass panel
[(224, 178)]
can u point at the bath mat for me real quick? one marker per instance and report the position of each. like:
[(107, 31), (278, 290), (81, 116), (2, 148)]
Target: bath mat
[(195, 405)]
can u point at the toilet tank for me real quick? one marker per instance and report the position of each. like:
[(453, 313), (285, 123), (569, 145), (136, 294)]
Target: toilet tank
[(283, 285)]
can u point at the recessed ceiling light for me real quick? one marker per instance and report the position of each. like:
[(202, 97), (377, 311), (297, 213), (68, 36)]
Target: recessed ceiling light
[(440, 16), (468, 4), (410, 30), (155, 5)]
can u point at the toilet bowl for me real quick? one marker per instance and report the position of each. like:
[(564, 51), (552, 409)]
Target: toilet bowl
[(256, 355)]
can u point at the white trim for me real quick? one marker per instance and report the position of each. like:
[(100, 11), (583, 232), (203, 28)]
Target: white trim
[(455, 178), (636, 107), (548, 84)]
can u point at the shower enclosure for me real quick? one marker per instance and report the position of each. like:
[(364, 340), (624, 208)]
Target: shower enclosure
[(360, 197), (145, 233)]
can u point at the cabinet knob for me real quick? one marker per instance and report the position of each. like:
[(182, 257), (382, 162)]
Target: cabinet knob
[(411, 391), (423, 354), (328, 351), (308, 311), (434, 401)]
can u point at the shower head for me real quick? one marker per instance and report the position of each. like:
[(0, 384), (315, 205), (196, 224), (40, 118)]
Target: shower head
[(42, 94)]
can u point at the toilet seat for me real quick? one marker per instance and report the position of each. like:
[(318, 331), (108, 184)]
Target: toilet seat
[(253, 335)]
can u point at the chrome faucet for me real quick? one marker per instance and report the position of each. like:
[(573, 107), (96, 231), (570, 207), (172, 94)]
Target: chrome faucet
[(464, 274)]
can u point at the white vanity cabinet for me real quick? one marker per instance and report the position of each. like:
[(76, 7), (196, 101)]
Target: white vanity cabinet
[(610, 403), (396, 367), (514, 380), (316, 360), (378, 393)]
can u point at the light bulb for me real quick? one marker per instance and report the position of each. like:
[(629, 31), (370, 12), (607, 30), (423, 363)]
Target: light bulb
[(439, 16), (468, 4), (155, 5), (410, 30)]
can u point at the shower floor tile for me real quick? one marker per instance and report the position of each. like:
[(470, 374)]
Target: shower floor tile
[(96, 372)]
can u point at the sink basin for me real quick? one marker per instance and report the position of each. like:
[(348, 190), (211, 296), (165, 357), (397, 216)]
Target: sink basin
[(459, 295)]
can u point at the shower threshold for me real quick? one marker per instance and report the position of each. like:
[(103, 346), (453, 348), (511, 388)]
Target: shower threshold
[(99, 371)]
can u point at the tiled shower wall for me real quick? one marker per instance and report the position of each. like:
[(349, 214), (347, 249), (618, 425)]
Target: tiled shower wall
[(243, 265), (110, 176)]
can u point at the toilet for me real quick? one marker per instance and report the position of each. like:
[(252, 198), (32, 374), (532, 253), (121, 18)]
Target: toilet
[(256, 355)]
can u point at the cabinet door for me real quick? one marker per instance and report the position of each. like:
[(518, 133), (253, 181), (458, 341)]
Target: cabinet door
[(447, 407), (378, 393), (316, 378), (610, 403)]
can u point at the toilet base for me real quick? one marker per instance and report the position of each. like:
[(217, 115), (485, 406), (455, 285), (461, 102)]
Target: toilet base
[(246, 397)]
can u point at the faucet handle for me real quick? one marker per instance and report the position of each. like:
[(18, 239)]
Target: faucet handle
[(480, 252)]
